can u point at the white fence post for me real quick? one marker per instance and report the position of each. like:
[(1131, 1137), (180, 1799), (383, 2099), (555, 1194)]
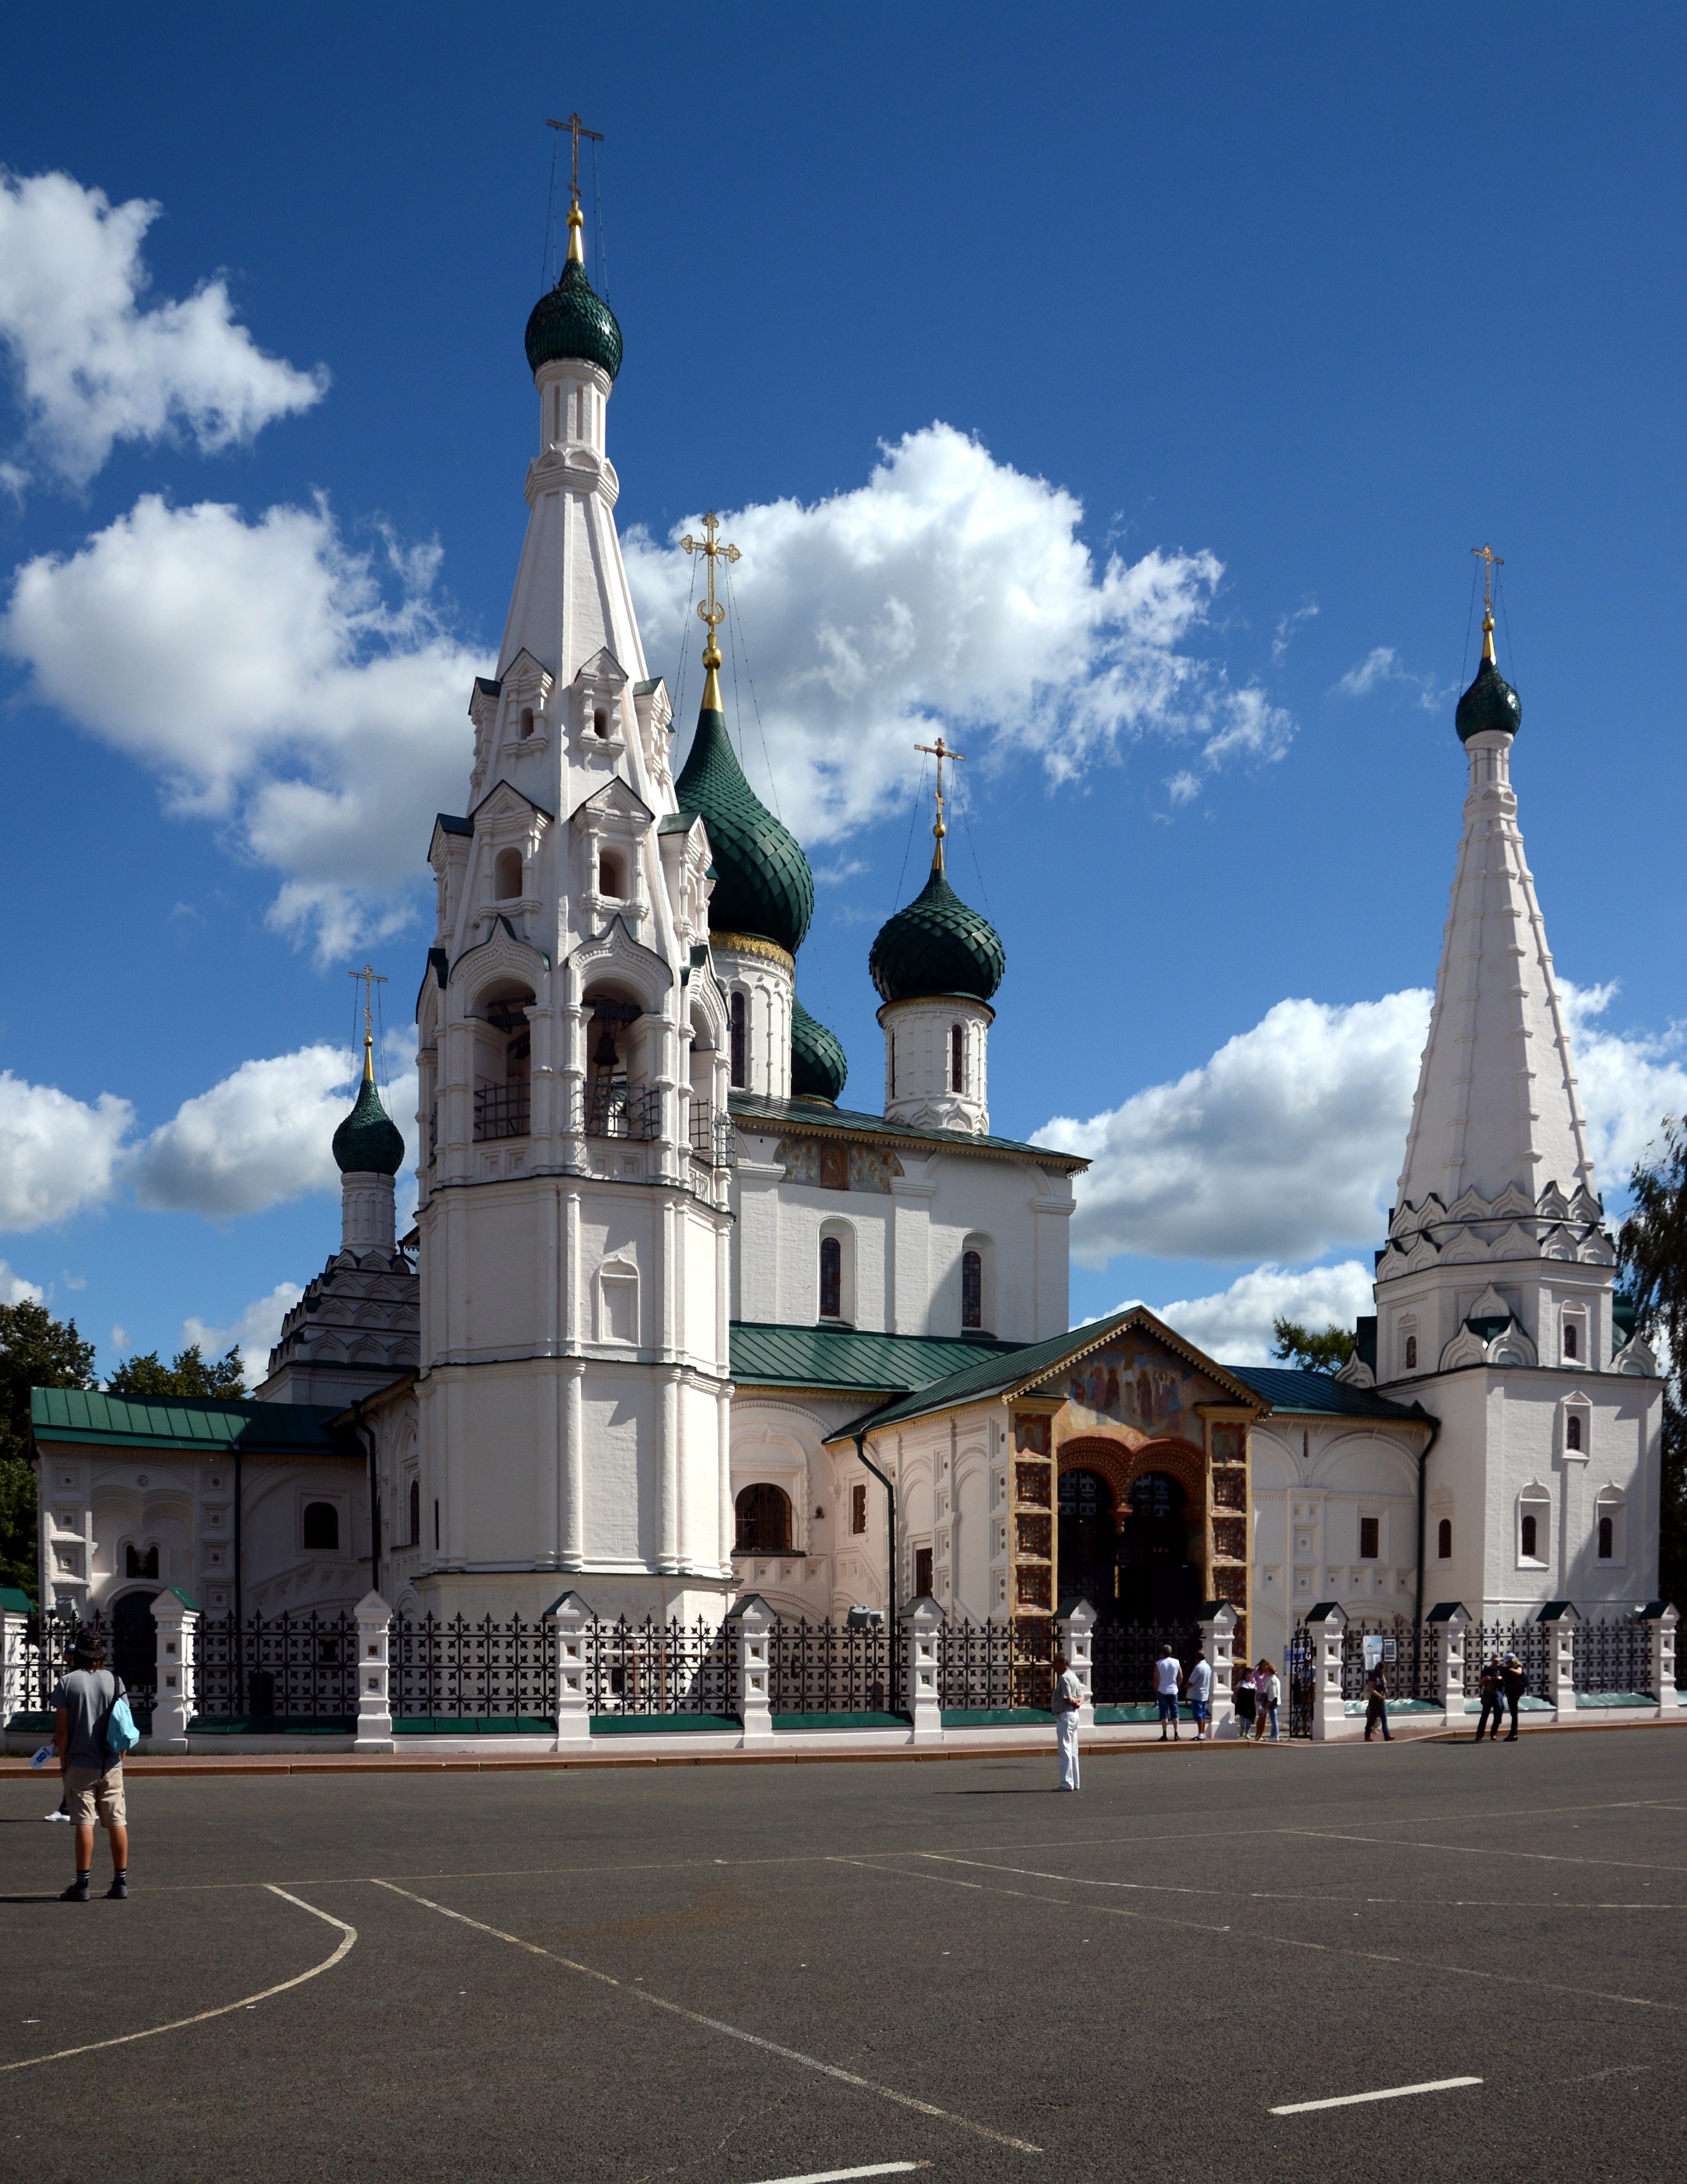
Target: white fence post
[(1661, 1618), (175, 1619), (14, 1656), (373, 1671), (922, 1622), (1451, 1619), (1560, 1618), (1217, 1620), (570, 1622), (1075, 1620), (1327, 1625), (755, 1620)]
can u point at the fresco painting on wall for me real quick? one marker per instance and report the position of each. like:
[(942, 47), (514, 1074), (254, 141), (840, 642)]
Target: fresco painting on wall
[(1136, 1388)]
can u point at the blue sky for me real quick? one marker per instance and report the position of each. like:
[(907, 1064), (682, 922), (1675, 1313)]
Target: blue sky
[(1170, 361)]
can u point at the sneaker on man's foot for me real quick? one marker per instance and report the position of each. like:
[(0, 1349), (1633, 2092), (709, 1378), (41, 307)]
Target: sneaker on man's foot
[(119, 1889), (77, 1892), (58, 1813)]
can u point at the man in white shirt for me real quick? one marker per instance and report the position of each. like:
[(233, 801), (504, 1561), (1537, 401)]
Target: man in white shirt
[(1068, 1699), (1199, 1693), (1168, 1674)]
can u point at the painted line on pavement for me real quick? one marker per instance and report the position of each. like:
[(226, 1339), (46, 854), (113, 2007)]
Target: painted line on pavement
[(1486, 1850), (1388, 2093), (245, 2001), (640, 1993), (837, 2175)]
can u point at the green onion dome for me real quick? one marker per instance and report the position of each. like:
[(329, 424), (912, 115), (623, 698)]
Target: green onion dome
[(368, 1141), (1490, 703), (937, 946), (763, 885), (572, 320), (818, 1068)]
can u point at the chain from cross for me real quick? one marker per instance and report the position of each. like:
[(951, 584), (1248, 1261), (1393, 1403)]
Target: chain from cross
[(371, 979), (940, 750), (1491, 561), (715, 550), (577, 129)]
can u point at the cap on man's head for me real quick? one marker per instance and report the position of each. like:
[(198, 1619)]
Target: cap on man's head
[(89, 1646)]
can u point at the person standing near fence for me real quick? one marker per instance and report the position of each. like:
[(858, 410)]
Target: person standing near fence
[(1377, 1703), (1493, 1706), (1513, 1683), (82, 1703), (1068, 1701), (1168, 1674), (1245, 1697), (1199, 1683), (1267, 1697)]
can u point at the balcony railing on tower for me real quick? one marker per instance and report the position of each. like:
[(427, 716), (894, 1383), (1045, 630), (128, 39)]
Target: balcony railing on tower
[(503, 1111), (713, 1139), (622, 1111)]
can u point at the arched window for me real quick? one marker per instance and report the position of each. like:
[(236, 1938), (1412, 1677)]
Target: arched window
[(740, 1043), (971, 1288), (526, 722), (136, 1563), (609, 876), (321, 1526), (1572, 1426), (1572, 1349), (1608, 1525), (601, 722), (416, 1512), (1531, 1534), (1443, 1539), (763, 1515), (957, 1058), (831, 1278), (507, 875), (1412, 1353), (890, 1064), (1607, 1540)]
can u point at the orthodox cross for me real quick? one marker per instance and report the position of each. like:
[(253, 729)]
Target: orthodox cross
[(714, 550), (371, 979), (940, 750), (1490, 561), (577, 129)]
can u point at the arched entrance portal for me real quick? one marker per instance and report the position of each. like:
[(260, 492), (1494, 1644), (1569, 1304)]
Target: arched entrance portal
[(1157, 1582), (1089, 1542), (134, 1640)]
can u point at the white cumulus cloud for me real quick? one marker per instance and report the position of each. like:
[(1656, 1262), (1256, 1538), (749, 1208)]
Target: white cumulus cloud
[(1284, 1145), (1234, 1324), (93, 364), (256, 1330), (951, 590), (14, 1289), (58, 1155), (1630, 1082), (262, 668)]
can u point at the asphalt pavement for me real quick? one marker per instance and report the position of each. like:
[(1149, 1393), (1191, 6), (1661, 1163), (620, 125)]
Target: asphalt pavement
[(735, 1975)]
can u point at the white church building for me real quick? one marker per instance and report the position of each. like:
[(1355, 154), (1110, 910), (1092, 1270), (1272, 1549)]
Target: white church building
[(675, 1324)]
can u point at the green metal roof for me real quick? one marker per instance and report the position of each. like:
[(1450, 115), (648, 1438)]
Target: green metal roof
[(1319, 1394), (368, 1142), (1491, 703), (937, 946), (763, 885), (751, 1110), (768, 1354), (573, 320), (207, 1422), (1033, 1361), (818, 1067)]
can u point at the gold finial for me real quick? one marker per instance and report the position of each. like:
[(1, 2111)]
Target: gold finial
[(577, 128), (1491, 561), (371, 979), (707, 610), (939, 751)]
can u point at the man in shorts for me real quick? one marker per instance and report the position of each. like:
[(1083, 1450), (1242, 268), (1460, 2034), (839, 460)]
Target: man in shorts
[(1199, 1691), (93, 1780), (1168, 1674)]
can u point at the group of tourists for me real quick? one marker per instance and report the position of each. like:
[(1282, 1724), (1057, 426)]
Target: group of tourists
[(1257, 1691), (1500, 1687)]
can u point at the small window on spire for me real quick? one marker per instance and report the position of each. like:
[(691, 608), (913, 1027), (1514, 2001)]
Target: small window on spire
[(526, 722), (507, 875), (1570, 1340), (740, 1044), (957, 1058), (601, 722)]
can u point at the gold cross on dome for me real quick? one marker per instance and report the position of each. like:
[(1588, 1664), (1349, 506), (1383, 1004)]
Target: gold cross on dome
[(712, 548), (940, 750), (577, 129), (371, 979), (1490, 561)]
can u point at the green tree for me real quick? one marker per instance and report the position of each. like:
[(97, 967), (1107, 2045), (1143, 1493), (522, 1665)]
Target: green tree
[(37, 1351), (1651, 1253), (1296, 1344), (188, 1373)]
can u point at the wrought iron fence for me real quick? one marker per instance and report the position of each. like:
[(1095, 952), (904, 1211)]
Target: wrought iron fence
[(458, 1671), (624, 1111), (996, 1664), (1124, 1655), (1614, 1655), (656, 1668), (1531, 1641), (290, 1669), (835, 1668)]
